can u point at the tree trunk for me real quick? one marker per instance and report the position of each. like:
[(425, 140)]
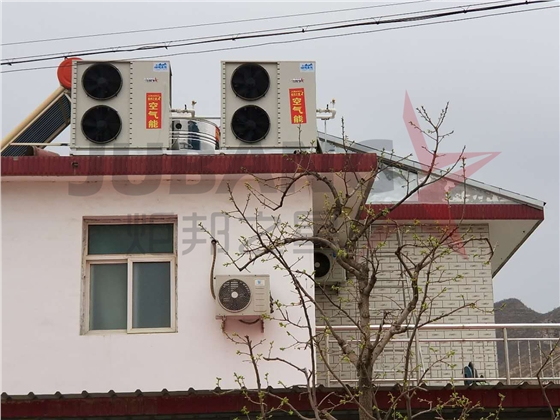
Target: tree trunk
[(365, 365), (365, 387)]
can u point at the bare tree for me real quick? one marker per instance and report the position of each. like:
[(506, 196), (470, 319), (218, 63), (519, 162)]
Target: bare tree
[(352, 230), (554, 415)]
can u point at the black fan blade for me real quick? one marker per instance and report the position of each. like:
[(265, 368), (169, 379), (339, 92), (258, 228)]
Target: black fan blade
[(234, 295), (243, 117), (250, 81), (262, 123), (250, 124), (249, 136), (102, 81), (242, 130), (89, 123), (101, 124), (322, 264)]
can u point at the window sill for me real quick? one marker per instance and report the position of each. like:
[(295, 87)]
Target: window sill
[(132, 332)]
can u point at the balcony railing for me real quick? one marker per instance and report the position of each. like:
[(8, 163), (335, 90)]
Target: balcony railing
[(507, 353)]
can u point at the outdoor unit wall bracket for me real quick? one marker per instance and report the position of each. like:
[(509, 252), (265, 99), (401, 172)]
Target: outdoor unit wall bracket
[(225, 318)]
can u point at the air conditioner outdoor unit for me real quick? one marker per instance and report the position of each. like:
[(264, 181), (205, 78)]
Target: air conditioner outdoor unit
[(268, 105), (246, 296), (327, 272), (120, 105)]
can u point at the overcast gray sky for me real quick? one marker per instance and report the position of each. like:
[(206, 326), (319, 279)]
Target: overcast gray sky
[(500, 75)]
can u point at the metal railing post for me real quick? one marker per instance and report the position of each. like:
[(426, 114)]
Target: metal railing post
[(506, 354), (417, 357)]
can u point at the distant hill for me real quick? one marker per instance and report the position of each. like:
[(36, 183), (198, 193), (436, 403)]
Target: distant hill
[(526, 356), (510, 311)]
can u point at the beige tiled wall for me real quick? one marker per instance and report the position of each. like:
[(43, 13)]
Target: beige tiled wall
[(466, 279)]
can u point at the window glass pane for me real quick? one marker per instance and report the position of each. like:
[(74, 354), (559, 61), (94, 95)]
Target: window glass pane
[(108, 284), (151, 301), (392, 185), (130, 239)]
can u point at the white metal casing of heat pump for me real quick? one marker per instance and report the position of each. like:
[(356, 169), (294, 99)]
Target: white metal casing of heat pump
[(336, 273), (131, 103), (259, 305), (283, 75)]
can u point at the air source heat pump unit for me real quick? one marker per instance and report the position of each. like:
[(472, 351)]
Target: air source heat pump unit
[(327, 272), (120, 105), (266, 104), (245, 296)]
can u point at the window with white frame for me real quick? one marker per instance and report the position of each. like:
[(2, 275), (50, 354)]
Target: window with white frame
[(129, 273)]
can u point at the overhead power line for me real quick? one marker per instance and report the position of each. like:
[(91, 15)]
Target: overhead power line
[(199, 25), (169, 43), (373, 21), (343, 35), (309, 39)]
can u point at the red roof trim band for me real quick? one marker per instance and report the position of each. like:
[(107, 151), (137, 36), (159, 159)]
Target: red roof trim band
[(183, 165), (445, 212), (141, 405)]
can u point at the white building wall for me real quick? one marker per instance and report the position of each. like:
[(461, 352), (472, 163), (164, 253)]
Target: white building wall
[(43, 350)]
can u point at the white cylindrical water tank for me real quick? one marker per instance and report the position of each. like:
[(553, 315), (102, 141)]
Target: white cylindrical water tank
[(195, 135)]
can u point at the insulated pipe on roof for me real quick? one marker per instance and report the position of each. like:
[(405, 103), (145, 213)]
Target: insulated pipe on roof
[(35, 151), (184, 111), (330, 111), (53, 97)]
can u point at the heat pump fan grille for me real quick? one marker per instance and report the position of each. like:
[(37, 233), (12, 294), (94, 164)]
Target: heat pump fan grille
[(235, 295), (250, 81), (250, 124), (322, 264), (101, 124), (102, 81)]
